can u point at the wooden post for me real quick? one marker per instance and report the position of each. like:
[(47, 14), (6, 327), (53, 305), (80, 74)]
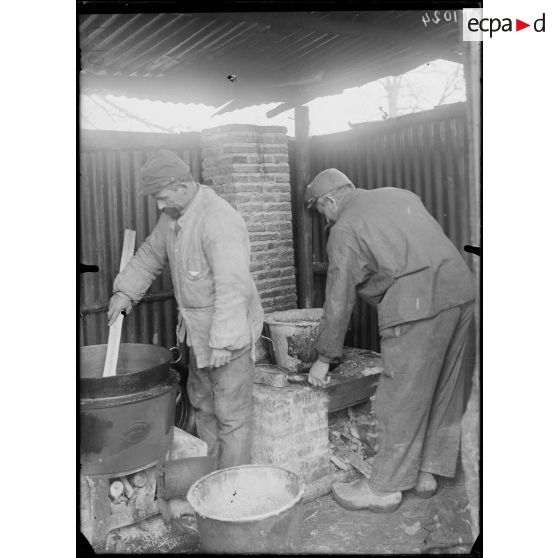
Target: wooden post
[(470, 424), (472, 71), (305, 283)]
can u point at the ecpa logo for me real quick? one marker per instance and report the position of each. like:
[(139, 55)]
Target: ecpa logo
[(474, 25)]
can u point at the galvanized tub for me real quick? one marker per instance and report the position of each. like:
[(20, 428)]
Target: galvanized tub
[(293, 333), (126, 421), (249, 509)]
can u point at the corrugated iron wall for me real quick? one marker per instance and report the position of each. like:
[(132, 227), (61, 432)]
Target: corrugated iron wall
[(110, 164), (423, 152)]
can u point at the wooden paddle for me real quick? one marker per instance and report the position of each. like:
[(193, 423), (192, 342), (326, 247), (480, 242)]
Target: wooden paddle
[(115, 329)]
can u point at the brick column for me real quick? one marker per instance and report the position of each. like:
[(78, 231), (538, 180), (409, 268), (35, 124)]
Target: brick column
[(248, 166)]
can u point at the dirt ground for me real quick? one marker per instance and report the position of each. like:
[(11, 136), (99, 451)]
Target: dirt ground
[(441, 524)]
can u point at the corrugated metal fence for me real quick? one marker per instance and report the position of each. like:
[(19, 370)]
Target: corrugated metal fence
[(109, 203), (423, 152)]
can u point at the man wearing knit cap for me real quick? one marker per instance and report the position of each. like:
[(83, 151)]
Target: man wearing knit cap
[(386, 248), (205, 241)]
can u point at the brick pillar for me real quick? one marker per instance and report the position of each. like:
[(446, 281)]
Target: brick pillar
[(248, 166)]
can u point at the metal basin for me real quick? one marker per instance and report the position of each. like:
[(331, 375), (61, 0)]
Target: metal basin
[(126, 421), (249, 509)]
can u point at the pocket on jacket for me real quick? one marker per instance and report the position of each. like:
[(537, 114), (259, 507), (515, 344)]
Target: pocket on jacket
[(195, 269), (390, 332)]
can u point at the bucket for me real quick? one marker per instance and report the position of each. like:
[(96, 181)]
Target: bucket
[(248, 509), (293, 333)]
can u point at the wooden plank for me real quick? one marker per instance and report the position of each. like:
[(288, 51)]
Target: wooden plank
[(356, 391), (115, 329), (355, 379), (303, 217)]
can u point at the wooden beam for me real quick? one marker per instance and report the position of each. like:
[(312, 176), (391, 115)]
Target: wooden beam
[(303, 216), (279, 109)]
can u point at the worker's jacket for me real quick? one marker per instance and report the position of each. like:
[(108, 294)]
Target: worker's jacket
[(209, 254), (389, 250)]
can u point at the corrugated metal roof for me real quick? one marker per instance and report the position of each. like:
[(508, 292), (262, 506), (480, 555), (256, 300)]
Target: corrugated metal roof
[(289, 56)]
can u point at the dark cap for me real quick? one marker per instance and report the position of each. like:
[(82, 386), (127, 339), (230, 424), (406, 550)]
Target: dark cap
[(162, 170), (325, 182)]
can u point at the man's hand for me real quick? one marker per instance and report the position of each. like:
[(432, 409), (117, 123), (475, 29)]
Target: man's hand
[(219, 357), (118, 303), (318, 373)]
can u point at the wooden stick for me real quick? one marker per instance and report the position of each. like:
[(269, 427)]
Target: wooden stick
[(128, 489), (340, 462), (115, 329)]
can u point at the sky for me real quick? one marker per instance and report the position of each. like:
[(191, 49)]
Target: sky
[(422, 89)]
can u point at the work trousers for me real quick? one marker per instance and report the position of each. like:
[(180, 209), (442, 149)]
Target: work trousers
[(222, 400), (419, 400)]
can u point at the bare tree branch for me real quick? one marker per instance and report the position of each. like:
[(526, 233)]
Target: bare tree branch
[(416, 97), (453, 84), (399, 87)]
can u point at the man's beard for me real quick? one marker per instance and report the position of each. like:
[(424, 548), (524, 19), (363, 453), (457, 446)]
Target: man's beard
[(172, 212)]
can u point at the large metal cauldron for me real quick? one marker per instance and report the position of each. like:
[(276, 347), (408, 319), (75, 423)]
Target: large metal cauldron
[(126, 421)]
